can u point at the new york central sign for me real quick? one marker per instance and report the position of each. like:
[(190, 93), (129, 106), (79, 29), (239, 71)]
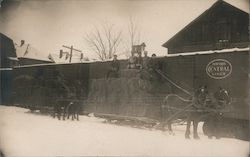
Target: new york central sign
[(219, 68)]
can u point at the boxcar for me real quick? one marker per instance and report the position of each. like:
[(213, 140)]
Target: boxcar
[(132, 96)]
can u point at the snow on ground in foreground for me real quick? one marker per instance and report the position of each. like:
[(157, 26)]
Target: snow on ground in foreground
[(28, 134)]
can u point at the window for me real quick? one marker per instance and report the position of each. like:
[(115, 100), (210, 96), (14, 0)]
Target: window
[(222, 31)]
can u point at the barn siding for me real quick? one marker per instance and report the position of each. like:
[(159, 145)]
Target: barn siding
[(222, 26)]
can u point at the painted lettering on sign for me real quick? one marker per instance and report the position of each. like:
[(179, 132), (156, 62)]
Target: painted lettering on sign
[(219, 68)]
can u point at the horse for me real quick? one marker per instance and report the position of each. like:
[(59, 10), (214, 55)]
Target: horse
[(173, 101), (73, 110), (200, 101), (60, 109), (170, 102)]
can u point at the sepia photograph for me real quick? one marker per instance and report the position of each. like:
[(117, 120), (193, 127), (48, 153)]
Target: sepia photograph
[(166, 78)]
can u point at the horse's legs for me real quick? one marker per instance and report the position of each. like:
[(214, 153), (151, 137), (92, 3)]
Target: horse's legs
[(195, 125), (188, 127), (170, 126), (59, 114), (64, 113), (210, 122), (54, 113), (77, 116), (72, 115), (68, 114), (215, 123)]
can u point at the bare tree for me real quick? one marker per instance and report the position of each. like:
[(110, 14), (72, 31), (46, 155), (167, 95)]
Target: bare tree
[(134, 35), (104, 40), (134, 31)]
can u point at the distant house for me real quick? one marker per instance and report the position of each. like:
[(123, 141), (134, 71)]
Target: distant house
[(24, 54), (222, 26), (28, 55), (7, 52)]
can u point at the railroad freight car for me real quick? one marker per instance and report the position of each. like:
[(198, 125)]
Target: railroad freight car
[(131, 94)]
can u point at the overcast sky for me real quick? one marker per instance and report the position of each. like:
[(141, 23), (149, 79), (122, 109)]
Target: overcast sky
[(47, 25)]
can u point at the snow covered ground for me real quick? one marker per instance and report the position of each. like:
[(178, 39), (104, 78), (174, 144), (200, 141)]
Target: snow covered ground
[(28, 134)]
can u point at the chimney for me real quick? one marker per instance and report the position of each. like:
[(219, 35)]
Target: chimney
[(61, 54), (81, 56), (22, 43)]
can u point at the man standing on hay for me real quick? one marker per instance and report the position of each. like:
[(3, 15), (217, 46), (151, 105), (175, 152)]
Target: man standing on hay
[(114, 69)]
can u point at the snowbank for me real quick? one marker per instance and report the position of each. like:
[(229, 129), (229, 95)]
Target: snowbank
[(28, 134)]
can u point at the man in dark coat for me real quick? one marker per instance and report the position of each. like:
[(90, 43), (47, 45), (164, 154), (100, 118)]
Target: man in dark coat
[(153, 66), (200, 97), (145, 60), (222, 98), (153, 63), (132, 61), (115, 67)]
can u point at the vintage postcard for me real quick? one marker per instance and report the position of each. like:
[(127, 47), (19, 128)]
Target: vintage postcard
[(124, 78)]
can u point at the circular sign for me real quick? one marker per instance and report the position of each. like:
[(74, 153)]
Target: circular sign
[(219, 68)]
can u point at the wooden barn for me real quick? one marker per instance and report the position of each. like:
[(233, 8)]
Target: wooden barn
[(222, 26), (7, 52)]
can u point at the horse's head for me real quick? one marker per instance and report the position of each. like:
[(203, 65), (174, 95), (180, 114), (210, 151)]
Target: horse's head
[(221, 98), (203, 91), (202, 96)]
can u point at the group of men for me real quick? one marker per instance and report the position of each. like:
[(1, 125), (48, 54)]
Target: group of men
[(201, 98), (139, 62), (134, 62), (202, 101)]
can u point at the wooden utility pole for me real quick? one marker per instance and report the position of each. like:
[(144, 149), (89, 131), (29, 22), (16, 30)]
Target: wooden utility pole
[(71, 51)]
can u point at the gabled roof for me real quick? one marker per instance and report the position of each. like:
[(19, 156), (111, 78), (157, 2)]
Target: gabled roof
[(217, 3), (4, 36), (29, 52)]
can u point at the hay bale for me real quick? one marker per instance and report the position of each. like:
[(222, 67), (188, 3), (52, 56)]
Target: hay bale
[(125, 96)]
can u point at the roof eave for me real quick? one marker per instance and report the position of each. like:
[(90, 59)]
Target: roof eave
[(35, 59)]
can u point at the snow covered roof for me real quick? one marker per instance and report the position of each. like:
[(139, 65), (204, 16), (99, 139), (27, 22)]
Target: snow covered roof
[(28, 51), (65, 59), (13, 58), (209, 52)]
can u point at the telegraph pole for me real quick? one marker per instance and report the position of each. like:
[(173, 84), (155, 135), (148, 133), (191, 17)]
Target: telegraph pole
[(71, 51)]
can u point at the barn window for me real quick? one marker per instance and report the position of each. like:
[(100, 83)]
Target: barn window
[(223, 31)]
